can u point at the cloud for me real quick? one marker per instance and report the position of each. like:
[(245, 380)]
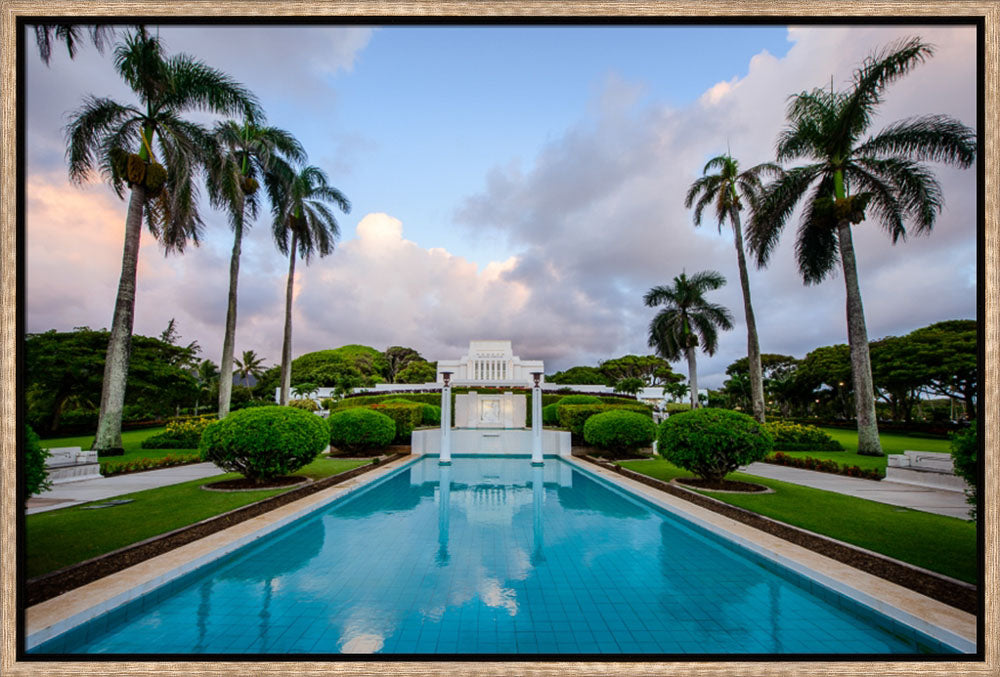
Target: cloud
[(601, 213), (595, 219)]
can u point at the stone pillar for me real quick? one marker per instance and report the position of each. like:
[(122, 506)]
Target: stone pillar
[(445, 456), (536, 420)]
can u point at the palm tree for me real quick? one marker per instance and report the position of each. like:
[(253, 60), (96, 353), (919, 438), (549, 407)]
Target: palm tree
[(243, 154), (71, 34), (303, 226), (206, 375), (123, 142), (687, 321), (728, 190), (249, 365), (850, 176)]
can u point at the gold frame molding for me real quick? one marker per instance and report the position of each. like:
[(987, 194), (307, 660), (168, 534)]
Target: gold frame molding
[(10, 10)]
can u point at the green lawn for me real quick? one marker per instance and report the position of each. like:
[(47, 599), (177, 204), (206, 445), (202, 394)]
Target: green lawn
[(943, 544), (58, 538), (892, 443), (131, 441)]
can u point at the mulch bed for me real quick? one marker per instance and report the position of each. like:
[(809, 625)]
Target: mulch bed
[(952, 592), (243, 484), (723, 485), (57, 582)]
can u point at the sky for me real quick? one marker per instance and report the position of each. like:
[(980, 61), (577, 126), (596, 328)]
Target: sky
[(507, 182)]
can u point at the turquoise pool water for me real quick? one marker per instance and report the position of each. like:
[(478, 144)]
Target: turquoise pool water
[(491, 555)]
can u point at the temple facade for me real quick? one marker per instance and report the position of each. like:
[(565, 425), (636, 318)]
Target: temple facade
[(490, 363)]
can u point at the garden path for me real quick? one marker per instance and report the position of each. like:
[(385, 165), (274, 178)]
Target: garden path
[(74, 493), (950, 503)]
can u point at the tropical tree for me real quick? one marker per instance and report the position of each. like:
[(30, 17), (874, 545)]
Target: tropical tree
[(303, 225), (242, 155), (249, 365), (687, 320), (729, 189), (849, 177), (124, 143), (207, 377), (71, 34)]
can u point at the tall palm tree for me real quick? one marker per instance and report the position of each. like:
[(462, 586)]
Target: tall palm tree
[(687, 320), (851, 176), (126, 143), (729, 189), (242, 155), (303, 225), (249, 365)]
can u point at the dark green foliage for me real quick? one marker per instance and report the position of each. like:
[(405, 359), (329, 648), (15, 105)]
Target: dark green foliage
[(430, 414), (620, 433), (579, 376), (550, 414), (630, 385), (579, 399), (64, 371), (574, 416), (265, 442), (361, 430), (417, 371), (713, 442), (964, 453), (35, 477), (405, 415)]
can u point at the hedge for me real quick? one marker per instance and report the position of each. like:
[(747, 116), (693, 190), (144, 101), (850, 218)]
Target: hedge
[(574, 416), (619, 432), (798, 437), (405, 416), (359, 430), (820, 465)]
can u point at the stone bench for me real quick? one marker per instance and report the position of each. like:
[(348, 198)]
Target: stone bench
[(72, 464), (934, 470)]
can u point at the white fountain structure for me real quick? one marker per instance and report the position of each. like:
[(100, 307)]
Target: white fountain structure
[(492, 418)]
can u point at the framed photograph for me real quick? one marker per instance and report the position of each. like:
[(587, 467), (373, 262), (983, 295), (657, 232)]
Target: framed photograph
[(523, 337)]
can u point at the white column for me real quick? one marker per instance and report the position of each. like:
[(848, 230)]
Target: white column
[(536, 423), (445, 456)]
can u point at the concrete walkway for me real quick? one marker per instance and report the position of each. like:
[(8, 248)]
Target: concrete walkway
[(75, 493), (950, 503)]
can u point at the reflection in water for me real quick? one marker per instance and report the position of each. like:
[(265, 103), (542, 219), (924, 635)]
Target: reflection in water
[(444, 509), (265, 615), (538, 499), (774, 593), (204, 609), (586, 494)]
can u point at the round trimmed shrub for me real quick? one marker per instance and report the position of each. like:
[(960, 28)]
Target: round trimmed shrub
[(36, 476), (619, 432), (550, 415), (432, 414), (265, 442), (712, 443), (360, 430), (580, 399)]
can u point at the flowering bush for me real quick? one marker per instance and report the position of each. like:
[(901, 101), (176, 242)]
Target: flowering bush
[(799, 437), (305, 403), (820, 465), (139, 464), (179, 434)]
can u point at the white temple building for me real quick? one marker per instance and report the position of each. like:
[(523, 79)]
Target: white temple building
[(490, 363)]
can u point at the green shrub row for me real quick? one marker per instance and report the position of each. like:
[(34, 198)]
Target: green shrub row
[(798, 437), (809, 463), (110, 468)]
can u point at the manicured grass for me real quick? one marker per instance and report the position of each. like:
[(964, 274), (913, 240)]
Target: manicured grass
[(58, 538), (943, 544), (892, 443), (131, 441)]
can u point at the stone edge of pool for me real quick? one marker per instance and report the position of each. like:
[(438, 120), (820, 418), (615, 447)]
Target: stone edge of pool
[(936, 619), (55, 616)]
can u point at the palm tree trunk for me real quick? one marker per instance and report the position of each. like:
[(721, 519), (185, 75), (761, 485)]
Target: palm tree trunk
[(692, 376), (857, 335), (753, 345), (286, 346), (109, 423), (229, 341)]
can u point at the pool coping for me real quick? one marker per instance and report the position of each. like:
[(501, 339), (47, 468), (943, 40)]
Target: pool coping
[(52, 617), (935, 619)]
